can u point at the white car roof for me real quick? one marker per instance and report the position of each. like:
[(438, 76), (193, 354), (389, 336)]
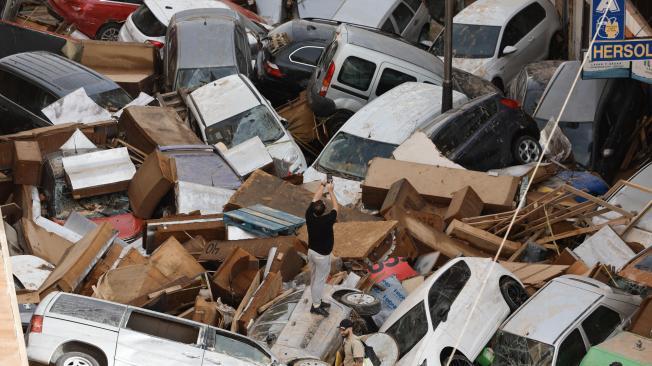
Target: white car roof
[(549, 313), (490, 12), (163, 10), (395, 115), (224, 98), (364, 12)]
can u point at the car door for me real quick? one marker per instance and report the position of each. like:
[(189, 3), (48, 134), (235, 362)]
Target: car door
[(225, 349), (600, 324), (389, 77), (353, 83), (571, 350), (21, 103), (522, 32), (149, 339)]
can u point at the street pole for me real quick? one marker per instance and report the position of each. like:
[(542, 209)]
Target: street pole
[(447, 96)]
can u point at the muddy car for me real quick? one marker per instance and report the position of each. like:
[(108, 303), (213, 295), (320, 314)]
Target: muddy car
[(489, 132), (427, 323), (559, 323), (297, 336), (69, 329), (528, 86)]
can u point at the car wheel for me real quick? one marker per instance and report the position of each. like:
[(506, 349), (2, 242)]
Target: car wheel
[(363, 304), (77, 359), (336, 121), (526, 150), (513, 293), (458, 360), (108, 32)]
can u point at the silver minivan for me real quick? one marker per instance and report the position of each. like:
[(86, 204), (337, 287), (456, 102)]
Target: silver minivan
[(68, 329)]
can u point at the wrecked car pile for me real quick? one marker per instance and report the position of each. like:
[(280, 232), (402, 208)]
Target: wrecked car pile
[(155, 185)]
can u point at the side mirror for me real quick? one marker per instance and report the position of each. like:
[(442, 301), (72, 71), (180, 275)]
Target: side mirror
[(508, 50)]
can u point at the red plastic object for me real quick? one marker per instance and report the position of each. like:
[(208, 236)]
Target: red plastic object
[(392, 266), (510, 103), (36, 324), (128, 225)]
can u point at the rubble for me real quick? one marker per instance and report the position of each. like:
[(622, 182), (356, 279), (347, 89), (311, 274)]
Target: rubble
[(176, 216)]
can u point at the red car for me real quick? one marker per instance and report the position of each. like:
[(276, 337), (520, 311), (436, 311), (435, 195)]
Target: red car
[(102, 19), (98, 19)]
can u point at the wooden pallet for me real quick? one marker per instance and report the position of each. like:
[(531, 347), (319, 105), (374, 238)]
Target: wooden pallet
[(264, 221), (177, 101)]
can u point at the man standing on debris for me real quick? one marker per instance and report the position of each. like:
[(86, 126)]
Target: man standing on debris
[(353, 347), (320, 243)]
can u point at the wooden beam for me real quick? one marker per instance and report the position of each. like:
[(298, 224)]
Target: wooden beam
[(586, 230), (597, 200)]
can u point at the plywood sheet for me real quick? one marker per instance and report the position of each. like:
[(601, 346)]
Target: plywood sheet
[(356, 240), (534, 274)]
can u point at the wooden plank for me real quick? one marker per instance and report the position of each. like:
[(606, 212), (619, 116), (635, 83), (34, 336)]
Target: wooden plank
[(482, 239), (465, 203), (534, 274), (12, 343), (356, 240), (438, 241), (597, 200), (587, 230)]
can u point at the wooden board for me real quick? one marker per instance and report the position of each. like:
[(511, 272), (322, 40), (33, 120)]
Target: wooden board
[(484, 240), (356, 240), (436, 184), (438, 241), (174, 261), (534, 274), (219, 250), (268, 190), (465, 203)]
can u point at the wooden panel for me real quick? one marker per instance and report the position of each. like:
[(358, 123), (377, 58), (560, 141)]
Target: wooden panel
[(484, 240), (465, 203), (12, 344), (356, 240)]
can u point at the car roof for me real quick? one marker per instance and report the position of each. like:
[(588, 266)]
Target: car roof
[(584, 102), (390, 46), (490, 12), (224, 98), (364, 12), (307, 29), (197, 45), (394, 116), (432, 125), (55, 73), (163, 10), (557, 306)]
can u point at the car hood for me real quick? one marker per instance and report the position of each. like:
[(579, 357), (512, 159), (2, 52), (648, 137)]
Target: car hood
[(476, 66)]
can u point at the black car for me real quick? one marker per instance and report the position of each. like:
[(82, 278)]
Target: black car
[(599, 119), (31, 81), (488, 132), (291, 53), (528, 86)]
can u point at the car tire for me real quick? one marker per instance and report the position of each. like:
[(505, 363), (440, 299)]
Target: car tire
[(526, 149), (336, 121), (77, 359), (513, 293), (458, 360), (361, 303), (108, 32)]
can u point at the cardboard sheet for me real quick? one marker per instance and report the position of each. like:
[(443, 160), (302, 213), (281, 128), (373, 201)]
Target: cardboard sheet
[(436, 184)]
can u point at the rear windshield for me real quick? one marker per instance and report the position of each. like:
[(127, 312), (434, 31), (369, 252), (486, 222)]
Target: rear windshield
[(112, 100), (457, 130), (147, 23), (89, 309)]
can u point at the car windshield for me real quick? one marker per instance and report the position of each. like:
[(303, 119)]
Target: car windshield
[(270, 324), (257, 121), (194, 78), (580, 135), (112, 100), (513, 350), (470, 41), (347, 155)]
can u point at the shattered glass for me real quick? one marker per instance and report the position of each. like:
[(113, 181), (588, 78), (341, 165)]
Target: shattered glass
[(513, 350), (257, 121), (347, 155)]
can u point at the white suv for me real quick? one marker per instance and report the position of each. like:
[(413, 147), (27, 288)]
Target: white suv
[(69, 329)]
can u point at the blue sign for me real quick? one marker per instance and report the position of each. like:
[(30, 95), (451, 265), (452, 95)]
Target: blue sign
[(610, 27), (629, 50)]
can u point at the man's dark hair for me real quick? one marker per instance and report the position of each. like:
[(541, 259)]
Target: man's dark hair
[(319, 207)]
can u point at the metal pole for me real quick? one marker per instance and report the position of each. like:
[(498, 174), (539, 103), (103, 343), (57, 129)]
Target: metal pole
[(447, 96)]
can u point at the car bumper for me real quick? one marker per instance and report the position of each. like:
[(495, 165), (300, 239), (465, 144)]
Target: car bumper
[(321, 106)]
